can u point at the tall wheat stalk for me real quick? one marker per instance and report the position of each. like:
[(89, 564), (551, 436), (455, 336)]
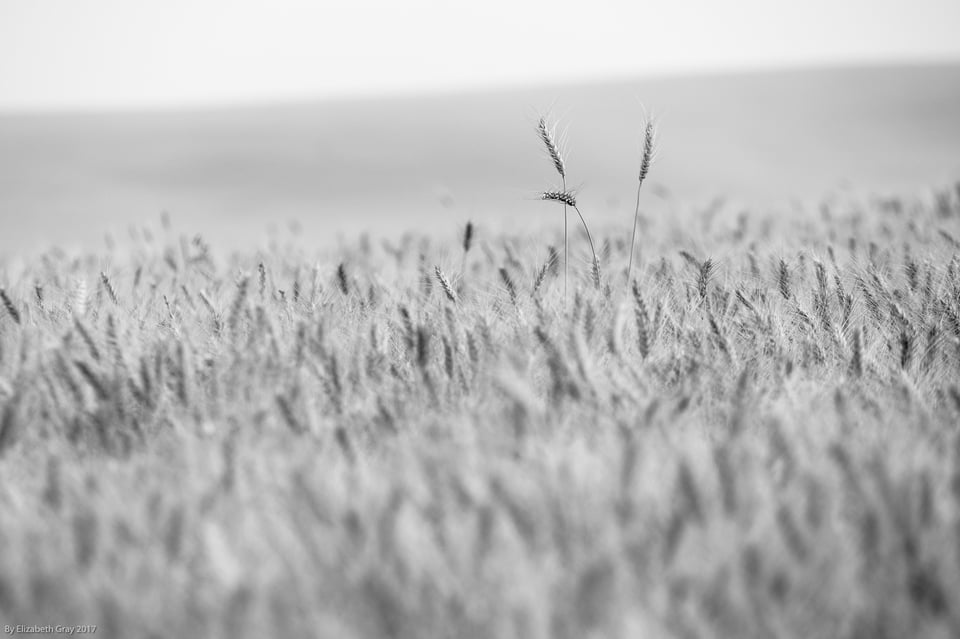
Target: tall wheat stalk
[(547, 134), (649, 150), (568, 198)]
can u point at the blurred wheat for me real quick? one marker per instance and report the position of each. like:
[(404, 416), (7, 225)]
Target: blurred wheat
[(354, 444)]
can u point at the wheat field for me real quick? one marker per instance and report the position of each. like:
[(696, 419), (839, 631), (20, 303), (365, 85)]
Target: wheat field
[(425, 437)]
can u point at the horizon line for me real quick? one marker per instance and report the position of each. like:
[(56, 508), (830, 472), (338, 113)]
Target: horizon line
[(244, 103)]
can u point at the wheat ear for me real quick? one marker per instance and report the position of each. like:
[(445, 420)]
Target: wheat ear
[(445, 285), (467, 244), (10, 306)]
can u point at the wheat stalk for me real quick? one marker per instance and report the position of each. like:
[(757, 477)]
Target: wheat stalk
[(649, 151), (643, 322), (783, 279), (108, 286), (445, 285), (468, 233), (10, 306), (856, 360), (569, 198), (508, 282), (548, 135)]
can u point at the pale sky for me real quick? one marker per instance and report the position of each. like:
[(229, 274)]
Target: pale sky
[(96, 54)]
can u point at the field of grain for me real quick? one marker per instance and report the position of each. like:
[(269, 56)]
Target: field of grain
[(423, 436)]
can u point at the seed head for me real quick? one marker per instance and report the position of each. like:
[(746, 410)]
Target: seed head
[(548, 135), (566, 197), (10, 306), (445, 285), (468, 237), (649, 149)]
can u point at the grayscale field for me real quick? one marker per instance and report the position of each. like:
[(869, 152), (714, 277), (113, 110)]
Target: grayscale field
[(352, 385)]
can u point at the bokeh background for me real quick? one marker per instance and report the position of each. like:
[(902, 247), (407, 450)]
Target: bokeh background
[(326, 119)]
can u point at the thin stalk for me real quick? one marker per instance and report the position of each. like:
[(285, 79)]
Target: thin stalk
[(633, 242), (566, 246), (568, 199), (596, 262), (649, 150)]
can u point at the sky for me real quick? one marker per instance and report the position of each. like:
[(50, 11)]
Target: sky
[(117, 54)]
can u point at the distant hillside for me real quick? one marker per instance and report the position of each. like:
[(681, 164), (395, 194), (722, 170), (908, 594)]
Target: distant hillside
[(393, 163)]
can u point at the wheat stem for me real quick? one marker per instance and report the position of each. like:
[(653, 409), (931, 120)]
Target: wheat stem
[(633, 240), (566, 247), (596, 261), (649, 145)]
